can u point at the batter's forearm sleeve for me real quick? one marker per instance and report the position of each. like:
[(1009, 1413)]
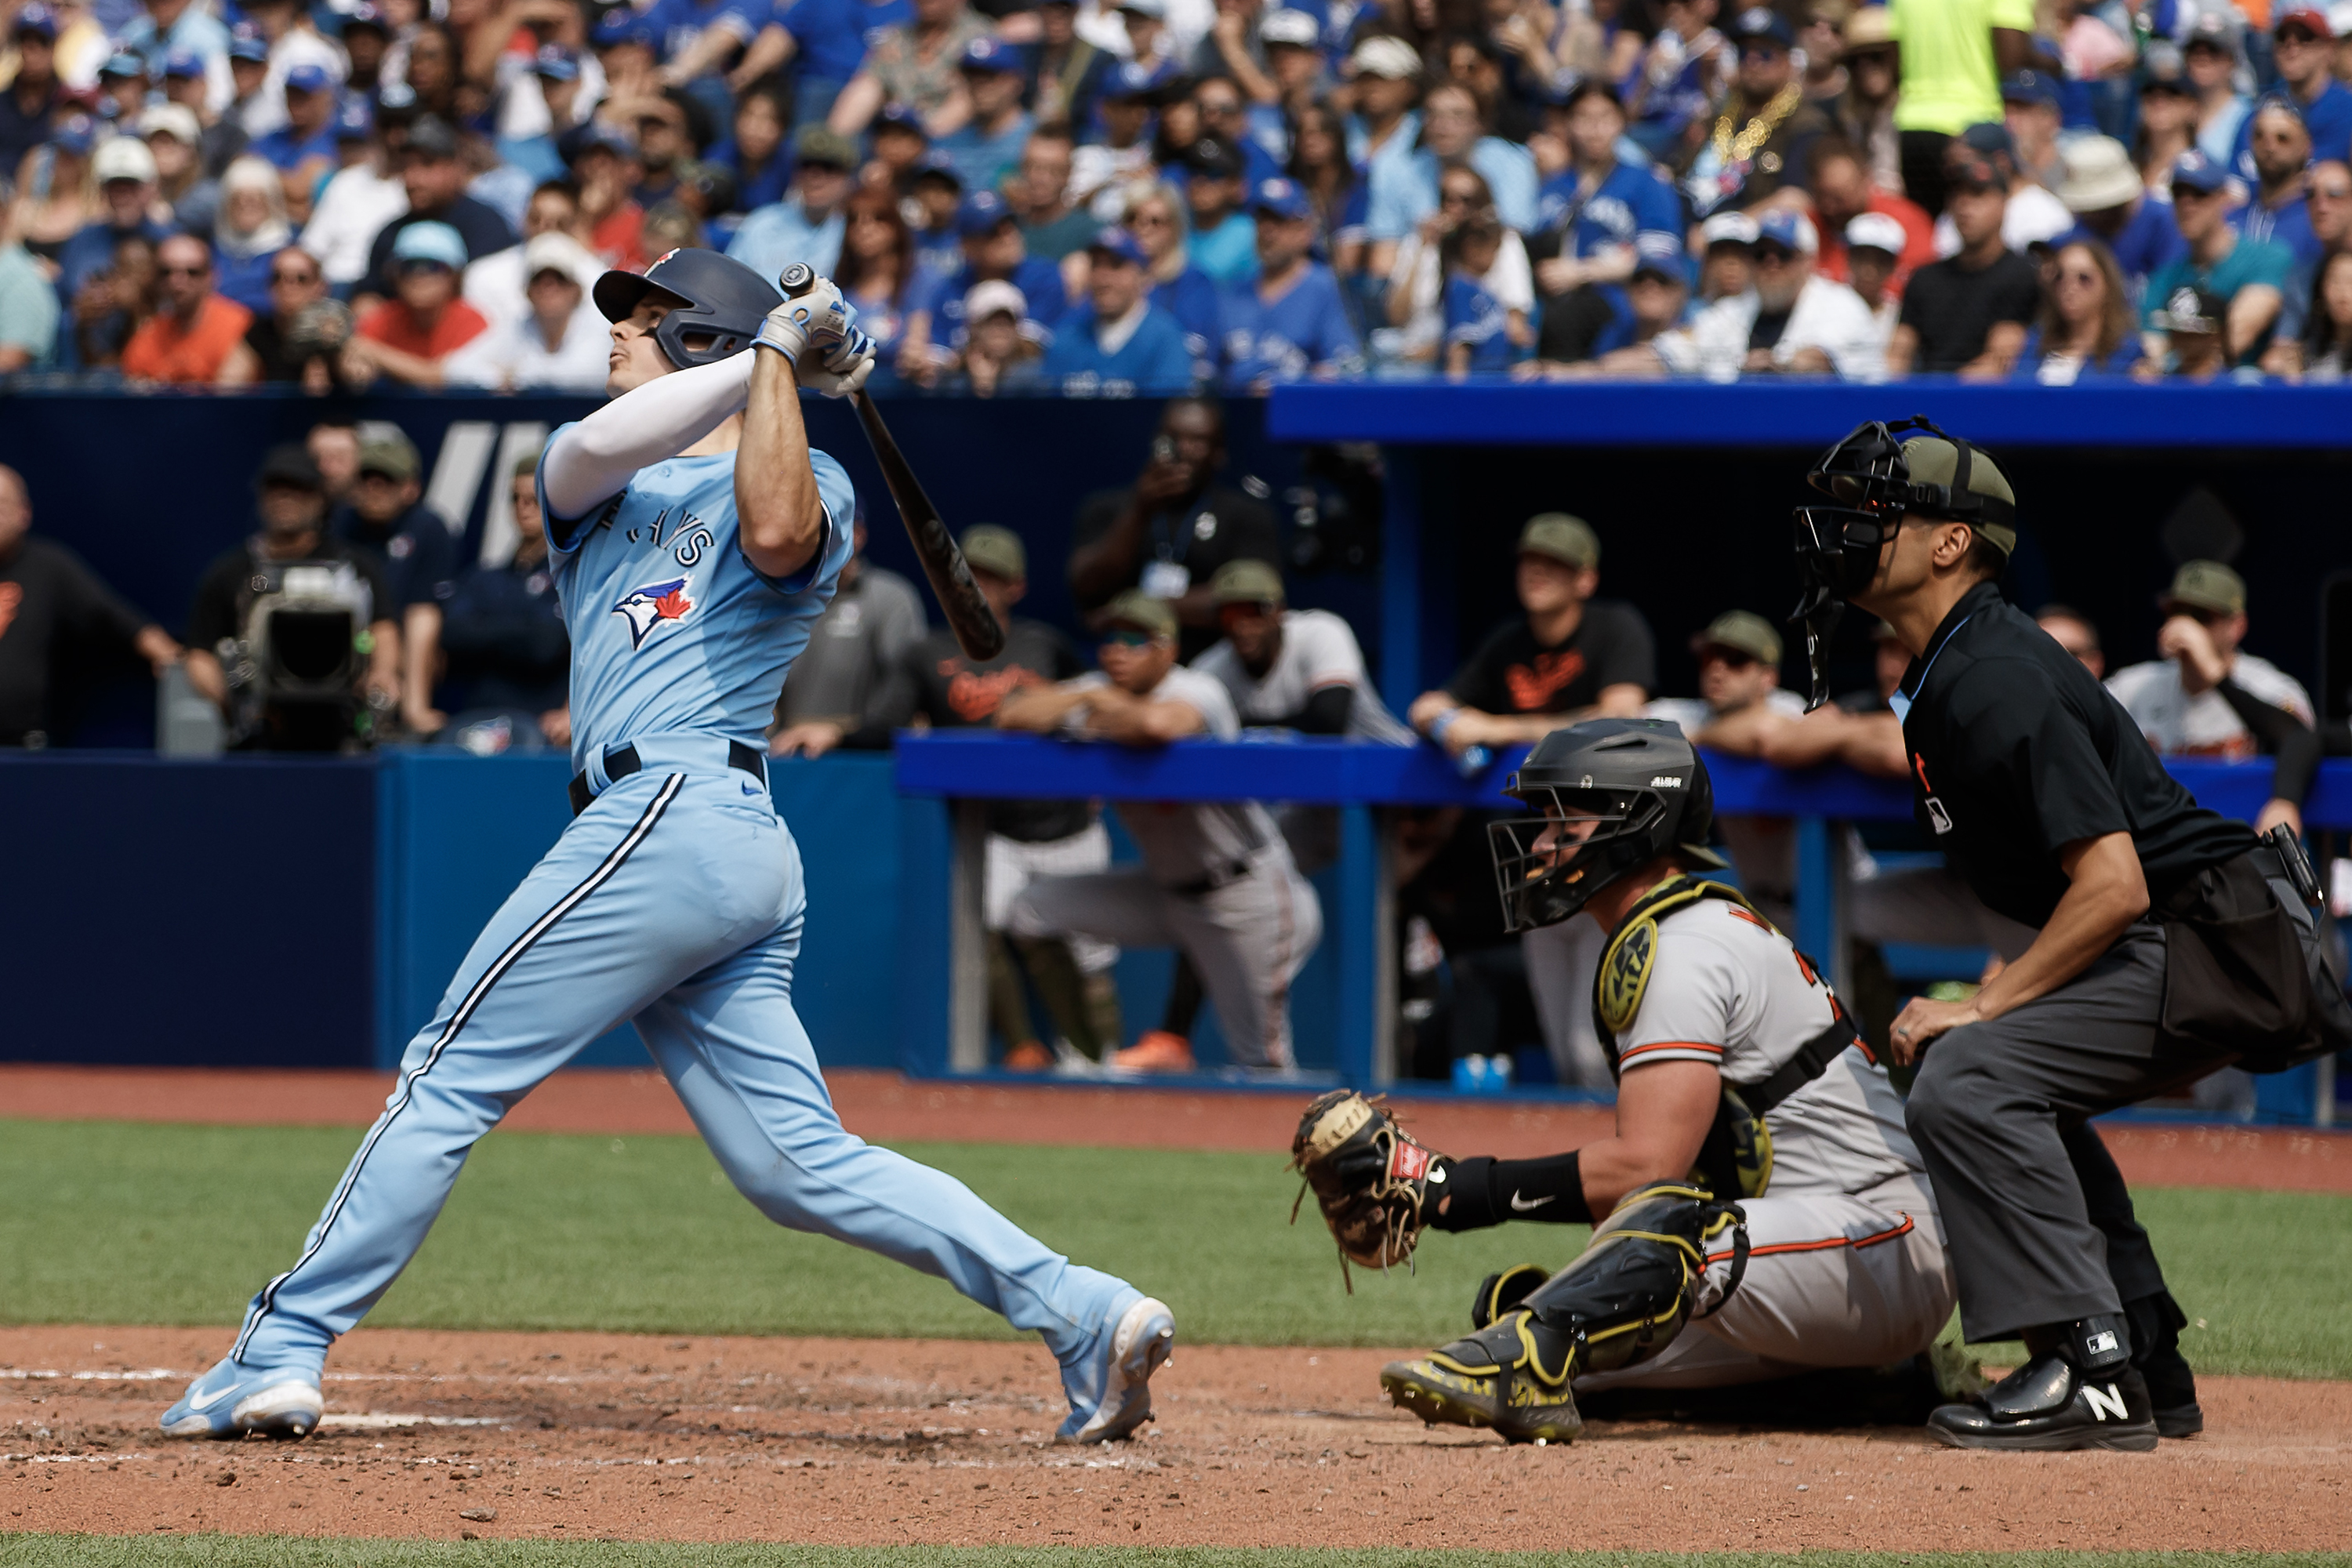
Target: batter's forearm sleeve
[(1485, 1191), (596, 457)]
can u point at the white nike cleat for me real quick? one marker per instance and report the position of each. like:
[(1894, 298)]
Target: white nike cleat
[(232, 1400), (1110, 1384)]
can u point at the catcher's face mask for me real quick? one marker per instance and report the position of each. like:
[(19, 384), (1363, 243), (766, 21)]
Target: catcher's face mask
[(1548, 867)]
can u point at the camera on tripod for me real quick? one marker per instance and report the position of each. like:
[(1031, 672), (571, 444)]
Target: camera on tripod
[(294, 676)]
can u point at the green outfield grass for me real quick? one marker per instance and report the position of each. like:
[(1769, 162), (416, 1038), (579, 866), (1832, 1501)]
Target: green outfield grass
[(288, 1551), (143, 1224)]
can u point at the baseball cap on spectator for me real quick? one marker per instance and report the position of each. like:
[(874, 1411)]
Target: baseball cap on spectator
[(2214, 30), (1286, 28), (76, 134), (387, 451), (996, 550), (1875, 231), (2100, 175), (1661, 253), (990, 296), (595, 136), (2204, 586), (939, 167), (1155, 9), (246, 43), (1382, 55), (1869, 28), (2199, 173), (1559, 537), (354, 120), (289, 463), (1968, 168), (1727, 228), (432, 136), (1122, 243), (714, 183), (1280, 198), (435, 244), (396, 103), (900, 116), (1136, 79), (2162, 68), (366, 16), (1246, 583), (36, 21), (1991, 139), (1763, 22), (556, 62), (555, 251), (2304, 14), (990, 55), (184, 65), (124, 66), (623, 24), (123, 158), (1741, 632), (1788, 230), (176, 121), (309, 78), (981, 214), (1139, 609), (2029, 87), (1213, 158), (2191, 310), (819, 144)]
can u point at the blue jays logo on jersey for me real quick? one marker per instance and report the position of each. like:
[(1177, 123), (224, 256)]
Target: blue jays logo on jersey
[(647, 606)]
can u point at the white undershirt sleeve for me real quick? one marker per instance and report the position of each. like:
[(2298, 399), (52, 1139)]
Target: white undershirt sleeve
[(596, 457)]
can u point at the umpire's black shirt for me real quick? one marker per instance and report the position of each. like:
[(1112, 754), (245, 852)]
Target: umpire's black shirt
[(2016, 751)]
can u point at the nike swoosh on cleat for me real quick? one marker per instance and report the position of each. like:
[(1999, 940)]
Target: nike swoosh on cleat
[(209, 1400), (1521, 1205)]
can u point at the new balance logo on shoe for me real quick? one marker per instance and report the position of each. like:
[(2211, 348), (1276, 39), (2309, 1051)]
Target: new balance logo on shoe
[(2105, 1403), (1521, 1205)]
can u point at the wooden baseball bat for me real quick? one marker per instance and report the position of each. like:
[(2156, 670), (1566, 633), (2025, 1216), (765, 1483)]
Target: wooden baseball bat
[(967, 611)]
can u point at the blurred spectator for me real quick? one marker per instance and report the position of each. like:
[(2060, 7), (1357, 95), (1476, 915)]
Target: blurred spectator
[(988, 144), (112, 303), (1967, 314), (2167, 113), (2327, 354), (561, 342), (1683, 72), (755, 149), (2102, 190), (2329, 193), (937, 685), (1739, 658), (1592, 214), (2074, 631), (1155, 216), (2249, 276), (671, 227), (496, 284), (299, 337), (1217, 881), (56, 199), (1727, 257), (1169, 534), (51, 604), (1842, 192), (1417, 277), (1223, 242), (1318, 162), (1223, 109), (937, 196), (502, 631), (409, 336), (28, 310), (430, 70), (435, 179), (125, 172), (174, 137), (603, 167), (1292, 669), (1117, 344), (1761, 126), (2203, 696), (1101, 169), (2279, 147), (1403, 191), (876, 272), (1067, 72), (1484, 335), (2197, 346), (1145, 26), (2305, 46), (806, 226), (2212, 55), (1858, 728), (2031, 114), (164, 29), (194, 329), (122, 88), (249, 71), (994, 353), (1954, 54), (2032, 218), (355, 204), (526, 136), (2087, 326), (1582, 330), (1793, 321), (992, 251), (1051, 228), (333, 444), (1568, 656), (900, 147), (250, 230), (1864, 113), (853, 653), (1291, 324), (34, 96), (386, 515), (294, 42), (304, 142), (914, 63), (291, 506), (1384, 138), (1874, 244)]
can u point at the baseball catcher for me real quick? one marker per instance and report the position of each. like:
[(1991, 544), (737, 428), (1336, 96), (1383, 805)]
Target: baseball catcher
[(1761, 1211)]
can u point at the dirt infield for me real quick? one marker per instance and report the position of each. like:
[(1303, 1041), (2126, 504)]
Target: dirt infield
[(566, 1437), (888, 1106)]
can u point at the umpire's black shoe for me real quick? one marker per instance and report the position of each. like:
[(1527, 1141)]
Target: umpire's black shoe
[(2048, 1404), (2172, 1392)]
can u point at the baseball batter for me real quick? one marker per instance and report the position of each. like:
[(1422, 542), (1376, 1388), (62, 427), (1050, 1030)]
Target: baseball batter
[(696, 538), (1217, 881), (1760, 1211)]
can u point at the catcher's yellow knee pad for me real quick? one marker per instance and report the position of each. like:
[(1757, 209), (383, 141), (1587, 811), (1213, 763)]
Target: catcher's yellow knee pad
[(1635, 1287)]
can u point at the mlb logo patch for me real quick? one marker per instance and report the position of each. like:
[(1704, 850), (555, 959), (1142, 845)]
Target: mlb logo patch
[(649, 606)]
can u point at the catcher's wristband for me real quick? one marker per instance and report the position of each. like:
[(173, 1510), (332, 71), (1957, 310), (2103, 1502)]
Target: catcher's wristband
[(1487, 1192)]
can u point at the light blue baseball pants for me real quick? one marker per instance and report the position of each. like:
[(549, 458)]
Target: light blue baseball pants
[(675, 898)]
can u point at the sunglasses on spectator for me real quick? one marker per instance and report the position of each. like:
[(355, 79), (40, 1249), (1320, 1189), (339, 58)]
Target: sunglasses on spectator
[(1770, 255), (185, 272), (1762, 51), (1128, 637), (2086, 275), (277, 276), (1149, 220), (2297, 39), (1729, 657)]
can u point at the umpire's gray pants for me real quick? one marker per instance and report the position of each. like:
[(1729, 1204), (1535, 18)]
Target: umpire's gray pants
[(1997, 1112)]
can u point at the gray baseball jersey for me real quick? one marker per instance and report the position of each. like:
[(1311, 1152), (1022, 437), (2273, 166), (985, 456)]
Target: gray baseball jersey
[(1318, 651), (1184, 842)]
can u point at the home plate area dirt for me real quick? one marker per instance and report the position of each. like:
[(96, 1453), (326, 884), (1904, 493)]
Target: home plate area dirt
[(572, 1437)]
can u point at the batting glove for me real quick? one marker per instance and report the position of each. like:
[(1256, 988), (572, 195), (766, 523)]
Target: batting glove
[(820, 316), (843, 366)]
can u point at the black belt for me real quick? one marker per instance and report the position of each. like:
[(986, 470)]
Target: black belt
[(1224, 875), (622, 761)]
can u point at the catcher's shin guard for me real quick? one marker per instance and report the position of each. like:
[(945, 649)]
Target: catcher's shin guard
[(1622, 1302)]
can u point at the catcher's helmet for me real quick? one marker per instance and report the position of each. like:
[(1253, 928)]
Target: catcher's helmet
[(724, 304), (1614, 794)]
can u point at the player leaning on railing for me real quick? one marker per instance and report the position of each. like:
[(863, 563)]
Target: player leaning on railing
[(696, 538)]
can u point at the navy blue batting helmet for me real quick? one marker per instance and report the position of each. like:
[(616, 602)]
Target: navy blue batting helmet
[(725, 301)]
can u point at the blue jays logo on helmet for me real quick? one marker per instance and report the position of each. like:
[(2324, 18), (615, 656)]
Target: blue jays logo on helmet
[(647, 606)]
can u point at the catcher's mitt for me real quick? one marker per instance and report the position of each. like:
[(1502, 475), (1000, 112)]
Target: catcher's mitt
[(1371, 1178)]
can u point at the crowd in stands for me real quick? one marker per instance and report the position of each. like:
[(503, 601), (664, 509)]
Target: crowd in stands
[(1122, 197)]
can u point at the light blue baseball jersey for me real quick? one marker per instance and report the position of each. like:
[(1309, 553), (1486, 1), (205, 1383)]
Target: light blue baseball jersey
[(673, 630)]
